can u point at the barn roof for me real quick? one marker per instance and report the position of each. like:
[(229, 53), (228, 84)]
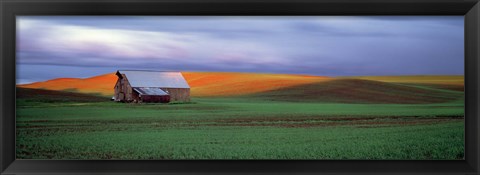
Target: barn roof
[(155, 79), (149, 91)]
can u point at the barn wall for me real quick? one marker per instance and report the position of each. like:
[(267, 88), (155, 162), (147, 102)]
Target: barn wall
[(155, 98), (135, 97), (127, 89), (123, 90), (118, 96), (178, 94), (129, 93)]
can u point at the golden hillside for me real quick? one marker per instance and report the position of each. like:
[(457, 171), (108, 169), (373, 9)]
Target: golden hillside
[(201, 83)]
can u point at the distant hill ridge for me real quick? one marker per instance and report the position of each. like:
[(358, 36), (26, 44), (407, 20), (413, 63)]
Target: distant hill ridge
[(201, 83), (360, 91), (102, 84), (288, 87)]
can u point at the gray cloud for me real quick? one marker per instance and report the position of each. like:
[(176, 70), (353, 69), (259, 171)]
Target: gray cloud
[(332, 46)]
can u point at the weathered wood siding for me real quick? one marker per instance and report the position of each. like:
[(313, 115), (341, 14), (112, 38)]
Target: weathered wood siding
[(178, 94), (118, 91), (123, 90), (135, 97)]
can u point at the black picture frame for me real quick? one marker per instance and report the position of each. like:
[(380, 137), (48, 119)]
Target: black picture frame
[(11, 8)]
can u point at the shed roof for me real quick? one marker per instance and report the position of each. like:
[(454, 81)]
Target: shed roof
[(155, 79), (149, 91)]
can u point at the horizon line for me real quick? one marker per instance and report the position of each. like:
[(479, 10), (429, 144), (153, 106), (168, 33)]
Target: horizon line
[(299, 74)]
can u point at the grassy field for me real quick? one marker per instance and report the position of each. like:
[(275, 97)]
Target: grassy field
[(424, 122)]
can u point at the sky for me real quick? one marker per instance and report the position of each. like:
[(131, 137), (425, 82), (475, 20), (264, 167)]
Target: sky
[(83, 46)]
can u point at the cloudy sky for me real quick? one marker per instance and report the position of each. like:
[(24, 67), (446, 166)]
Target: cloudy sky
[(68, 46)]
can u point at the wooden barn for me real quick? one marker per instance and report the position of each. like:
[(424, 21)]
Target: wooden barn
[(151, 87)]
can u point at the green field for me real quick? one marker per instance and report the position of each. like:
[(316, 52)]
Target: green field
[(66, 125)]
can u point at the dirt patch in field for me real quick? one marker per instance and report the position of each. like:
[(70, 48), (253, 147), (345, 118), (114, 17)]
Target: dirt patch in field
[(53, 126), (34, 121), (48, 126), (333, 121), (320, 124)]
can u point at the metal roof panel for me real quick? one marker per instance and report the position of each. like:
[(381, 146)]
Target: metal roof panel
[(155, 79), (149, 91)]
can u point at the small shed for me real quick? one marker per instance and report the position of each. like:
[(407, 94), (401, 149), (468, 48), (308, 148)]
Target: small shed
[(151, 86), (151, 95)]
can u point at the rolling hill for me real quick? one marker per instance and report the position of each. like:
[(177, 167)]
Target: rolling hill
[(284, 87), (360, 91), (233, 84), (102, 84), (201, 83), (419, 79), (451, 82)]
